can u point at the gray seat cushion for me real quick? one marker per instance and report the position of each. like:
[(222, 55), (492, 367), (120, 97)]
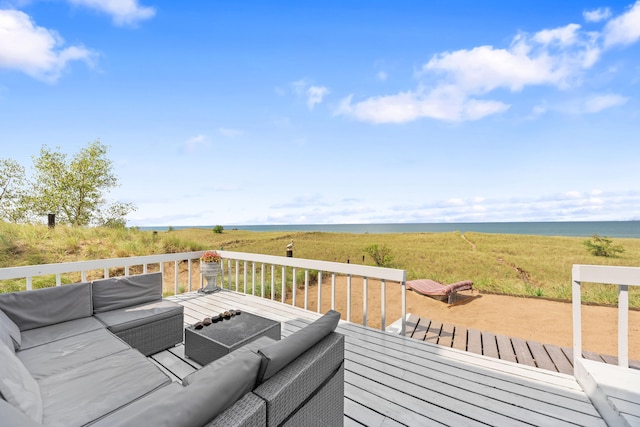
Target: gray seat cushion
[(43, 307), (131, 317), (88, 392), (47, 334), (195, 404), (115, 293), (18, 387), (9, 332), (279, 354), (61, 355), (12, 416)]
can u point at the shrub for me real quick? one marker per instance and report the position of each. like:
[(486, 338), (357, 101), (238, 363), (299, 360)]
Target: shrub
[(603, 246), (218, 229), (381, 255)]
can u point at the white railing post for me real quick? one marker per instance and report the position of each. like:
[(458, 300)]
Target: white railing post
[(333, 291), (176, 277), (383, 305), (349, 298), (237, 274), (403, 330), (294, 287), (365, 300), (623, 326), (245, 277), (576, 308), (306, 289), (319, 291), (283, 297), (262, 280), (253, 281), (273, 282)]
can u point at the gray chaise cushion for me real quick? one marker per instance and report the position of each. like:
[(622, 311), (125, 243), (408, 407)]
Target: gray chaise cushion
[(47, 334), (279, 354), (131, 317), (88, 392), (120, 292), (9, 332), (43, 307), (195, 404), (12, 416), (18, 387), (59, 356)]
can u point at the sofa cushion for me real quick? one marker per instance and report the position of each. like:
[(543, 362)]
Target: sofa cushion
[(9, 332), (43, 307), (279, 354), (12, 416), (120, 292), (195, 404), (18, 387), (47, 334), (88, 392), (131, 317), (61, 355)]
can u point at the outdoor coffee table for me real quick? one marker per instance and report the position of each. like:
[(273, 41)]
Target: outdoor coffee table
[(217, 339)]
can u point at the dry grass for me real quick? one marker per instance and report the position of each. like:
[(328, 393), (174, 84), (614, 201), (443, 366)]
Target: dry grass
[(535, 266)]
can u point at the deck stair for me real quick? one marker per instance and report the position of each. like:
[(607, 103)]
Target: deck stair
[(545, 356)]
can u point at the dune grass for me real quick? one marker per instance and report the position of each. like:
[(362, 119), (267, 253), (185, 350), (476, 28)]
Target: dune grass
[(523, 265)]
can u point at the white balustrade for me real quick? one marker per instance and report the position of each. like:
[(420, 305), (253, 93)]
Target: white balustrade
[(235, 264)]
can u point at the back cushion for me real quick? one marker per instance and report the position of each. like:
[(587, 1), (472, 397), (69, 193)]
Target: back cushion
[(48, 306), (9, 332), (121, 292), (18, 386)]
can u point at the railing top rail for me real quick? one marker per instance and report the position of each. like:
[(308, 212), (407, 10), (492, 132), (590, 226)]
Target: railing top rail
[(390, 274), (606, 274), (72, 267)]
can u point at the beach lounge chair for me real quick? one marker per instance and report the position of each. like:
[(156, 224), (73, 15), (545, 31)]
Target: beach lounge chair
[(433, 289)]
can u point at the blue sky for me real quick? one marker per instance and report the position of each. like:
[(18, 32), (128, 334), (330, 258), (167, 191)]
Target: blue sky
[(254, 112)]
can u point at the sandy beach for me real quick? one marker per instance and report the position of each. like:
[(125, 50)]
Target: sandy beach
[(541, 320)]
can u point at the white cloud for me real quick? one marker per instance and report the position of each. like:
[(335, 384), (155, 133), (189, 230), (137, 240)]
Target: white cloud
[(624, 29), (35, 50), (598, 103), (382, 76), (123, 12), (315, 94), (192, 144), (596, 15)]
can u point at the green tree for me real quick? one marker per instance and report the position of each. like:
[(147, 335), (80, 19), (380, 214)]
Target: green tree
[(75, 189), (218, 229), (12, 184), (381, 255), (603, 246)]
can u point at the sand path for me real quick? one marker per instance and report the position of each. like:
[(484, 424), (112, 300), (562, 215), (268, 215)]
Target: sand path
[(541, 320)]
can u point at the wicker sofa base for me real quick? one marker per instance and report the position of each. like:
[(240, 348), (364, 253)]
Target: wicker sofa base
[(156, 336)]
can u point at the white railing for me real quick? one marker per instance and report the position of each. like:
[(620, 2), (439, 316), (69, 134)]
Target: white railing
[(240, 272), (623, 277)]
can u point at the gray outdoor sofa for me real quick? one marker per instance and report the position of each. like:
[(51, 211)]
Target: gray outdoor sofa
[(74, 355)]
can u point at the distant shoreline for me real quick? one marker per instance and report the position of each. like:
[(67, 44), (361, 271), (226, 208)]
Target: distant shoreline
[(616, 229)]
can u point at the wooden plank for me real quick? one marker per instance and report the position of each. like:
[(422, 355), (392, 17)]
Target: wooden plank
[(460, 338), (489, 345), (559, 359), (506, 348), (590, 355), (434, 332), (474, 341), (421, 329), (411, 324), (523, 354), (540, 356), (446, 335), (361, 414)]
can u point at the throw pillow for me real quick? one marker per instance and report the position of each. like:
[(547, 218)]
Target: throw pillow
[(10, 329), (18, 386), (279, 354)]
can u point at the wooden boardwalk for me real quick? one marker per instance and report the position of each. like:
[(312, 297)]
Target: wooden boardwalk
[(391, 380), (531, 353)]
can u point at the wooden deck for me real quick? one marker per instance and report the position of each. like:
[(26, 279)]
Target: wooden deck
[(531, 353), (391, 380)]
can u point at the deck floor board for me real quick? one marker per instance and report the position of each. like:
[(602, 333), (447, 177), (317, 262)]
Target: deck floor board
[(393, 380)]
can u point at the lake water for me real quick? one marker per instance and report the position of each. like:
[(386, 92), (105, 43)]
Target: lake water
[(620, 229)]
